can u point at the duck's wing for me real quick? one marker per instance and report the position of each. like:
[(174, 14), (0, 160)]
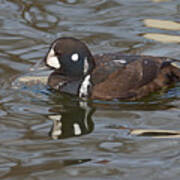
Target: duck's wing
[(130, 77)]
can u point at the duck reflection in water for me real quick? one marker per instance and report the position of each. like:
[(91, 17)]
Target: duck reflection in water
[(71, 121)]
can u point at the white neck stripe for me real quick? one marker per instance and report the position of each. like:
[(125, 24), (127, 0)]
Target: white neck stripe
[(83, 91)]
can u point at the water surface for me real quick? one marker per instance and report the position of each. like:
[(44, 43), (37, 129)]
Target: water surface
[(46, 136)]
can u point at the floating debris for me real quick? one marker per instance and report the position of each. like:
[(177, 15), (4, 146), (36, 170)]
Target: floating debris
[(155, 133)]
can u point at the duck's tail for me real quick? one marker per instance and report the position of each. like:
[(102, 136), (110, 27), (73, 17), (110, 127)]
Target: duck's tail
[(171, 69), (175, 69)]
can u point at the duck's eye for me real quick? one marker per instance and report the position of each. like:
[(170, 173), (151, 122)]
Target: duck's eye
[(75, 57)]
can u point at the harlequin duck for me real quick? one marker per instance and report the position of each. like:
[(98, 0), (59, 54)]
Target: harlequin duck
[(108, 76)]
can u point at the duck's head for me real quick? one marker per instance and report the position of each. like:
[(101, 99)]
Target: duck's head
[(69, 57)]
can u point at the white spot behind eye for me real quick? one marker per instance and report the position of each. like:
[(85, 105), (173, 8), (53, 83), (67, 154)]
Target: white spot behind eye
[(75, 57), (52, 60)]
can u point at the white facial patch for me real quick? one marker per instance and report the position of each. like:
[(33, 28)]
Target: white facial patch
[(86, 65), (52, 60), (75, 57), (83, 92)]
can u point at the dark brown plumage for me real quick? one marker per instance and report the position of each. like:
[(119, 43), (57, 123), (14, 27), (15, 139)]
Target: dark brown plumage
[(108, 76)]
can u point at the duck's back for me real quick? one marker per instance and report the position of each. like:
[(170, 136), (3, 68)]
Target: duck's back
[(131, 77)]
